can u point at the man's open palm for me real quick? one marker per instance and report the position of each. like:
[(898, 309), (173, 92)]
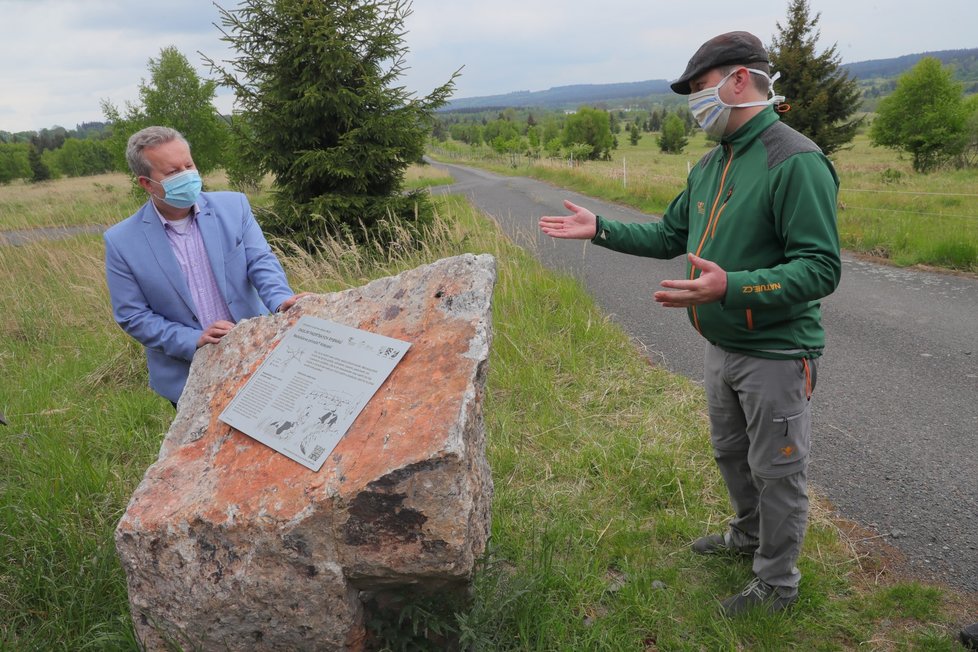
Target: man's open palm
[(580, 225)]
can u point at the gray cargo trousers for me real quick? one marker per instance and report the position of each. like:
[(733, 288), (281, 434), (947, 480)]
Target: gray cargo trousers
[(761, 425)]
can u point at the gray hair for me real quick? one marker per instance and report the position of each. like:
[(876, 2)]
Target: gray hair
[(148, 137)]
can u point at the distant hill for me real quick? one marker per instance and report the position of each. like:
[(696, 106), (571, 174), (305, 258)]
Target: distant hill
[(559, 96), (871, 75), (965, 63)]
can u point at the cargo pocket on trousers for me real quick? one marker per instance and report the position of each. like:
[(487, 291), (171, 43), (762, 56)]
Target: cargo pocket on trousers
[(794, 437)]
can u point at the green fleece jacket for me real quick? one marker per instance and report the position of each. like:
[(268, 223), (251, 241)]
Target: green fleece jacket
[(762, 206)]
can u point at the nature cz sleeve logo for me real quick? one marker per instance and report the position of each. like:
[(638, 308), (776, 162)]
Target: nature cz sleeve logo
[(755, 289)]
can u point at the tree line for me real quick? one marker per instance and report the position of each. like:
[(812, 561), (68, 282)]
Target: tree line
[(319, 111), (52, 153), (589, 133), (925, 113)]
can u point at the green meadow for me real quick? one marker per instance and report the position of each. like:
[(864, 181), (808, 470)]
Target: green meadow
[(886, 210), (602, 466)]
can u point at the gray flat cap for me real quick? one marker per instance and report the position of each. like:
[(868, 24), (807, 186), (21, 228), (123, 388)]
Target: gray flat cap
[(729, 48)]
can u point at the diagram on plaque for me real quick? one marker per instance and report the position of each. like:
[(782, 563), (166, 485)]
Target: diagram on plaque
[(311, 388)]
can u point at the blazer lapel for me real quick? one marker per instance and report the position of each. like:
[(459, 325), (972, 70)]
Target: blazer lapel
[(160, 246)]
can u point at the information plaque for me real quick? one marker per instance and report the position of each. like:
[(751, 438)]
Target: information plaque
[(311, 387)]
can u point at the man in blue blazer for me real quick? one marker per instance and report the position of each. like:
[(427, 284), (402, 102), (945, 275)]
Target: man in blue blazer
[(189, 264)]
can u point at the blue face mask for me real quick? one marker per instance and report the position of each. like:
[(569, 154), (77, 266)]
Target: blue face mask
[(181, 189)]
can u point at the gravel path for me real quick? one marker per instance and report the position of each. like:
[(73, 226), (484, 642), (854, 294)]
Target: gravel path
[(17, 237), (896, 417)]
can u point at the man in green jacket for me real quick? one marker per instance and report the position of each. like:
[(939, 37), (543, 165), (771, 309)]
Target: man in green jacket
[(757, 222)]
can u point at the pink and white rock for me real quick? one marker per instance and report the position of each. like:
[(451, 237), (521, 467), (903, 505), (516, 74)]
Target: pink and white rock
[(229, 545)]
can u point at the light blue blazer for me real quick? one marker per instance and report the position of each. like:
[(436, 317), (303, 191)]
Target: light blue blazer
[(151, 299)]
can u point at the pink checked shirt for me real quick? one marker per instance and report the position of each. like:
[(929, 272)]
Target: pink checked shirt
[(188, 247)]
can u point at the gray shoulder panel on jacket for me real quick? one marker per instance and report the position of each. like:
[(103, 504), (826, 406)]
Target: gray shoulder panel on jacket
[(705, 160), (782, 142)]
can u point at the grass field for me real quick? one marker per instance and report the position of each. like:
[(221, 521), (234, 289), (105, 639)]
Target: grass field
[(601, 464), (886, 210)]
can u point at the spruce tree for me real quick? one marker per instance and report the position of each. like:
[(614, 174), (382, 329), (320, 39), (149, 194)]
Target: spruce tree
[(822, 96), (673, 138), (320, 111), (633, 135), (39, 170)]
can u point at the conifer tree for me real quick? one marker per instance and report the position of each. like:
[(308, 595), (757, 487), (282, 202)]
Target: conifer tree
[(673, 138), (320, 109), (39, 170), (822, 96), (633, 135)]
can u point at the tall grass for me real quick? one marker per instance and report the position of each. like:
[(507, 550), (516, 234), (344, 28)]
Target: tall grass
[(82, 429), (889, 211), (77, 201), (885, 208), (101, 199), (601, 465)]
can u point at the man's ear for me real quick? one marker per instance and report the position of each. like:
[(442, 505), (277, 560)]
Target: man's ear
[(145, 184), (742, 80)]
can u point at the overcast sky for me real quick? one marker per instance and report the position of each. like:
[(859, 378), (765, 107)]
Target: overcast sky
[(59, 58)]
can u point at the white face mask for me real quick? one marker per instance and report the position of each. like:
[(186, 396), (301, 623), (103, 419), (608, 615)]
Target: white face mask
[(712, 113)]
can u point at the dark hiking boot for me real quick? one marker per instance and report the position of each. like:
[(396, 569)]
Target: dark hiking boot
[(759, 594), (969, 637), (719, 544)]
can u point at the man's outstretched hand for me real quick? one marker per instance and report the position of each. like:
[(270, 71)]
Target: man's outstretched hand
[(580, 225), (709, 287)]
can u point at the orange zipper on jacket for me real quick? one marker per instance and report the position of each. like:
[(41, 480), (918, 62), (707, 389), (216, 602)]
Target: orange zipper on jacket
[(716, 221), (711, 228)]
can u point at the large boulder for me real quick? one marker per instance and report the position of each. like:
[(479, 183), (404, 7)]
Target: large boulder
[(229, 545)]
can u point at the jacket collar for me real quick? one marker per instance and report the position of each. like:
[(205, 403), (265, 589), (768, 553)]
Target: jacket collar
[(752, 128), (150, 212)]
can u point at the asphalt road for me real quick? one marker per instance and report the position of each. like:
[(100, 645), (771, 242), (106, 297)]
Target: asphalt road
[(896, 412)]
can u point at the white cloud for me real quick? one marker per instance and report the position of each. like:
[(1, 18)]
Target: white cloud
[(59, 58)]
